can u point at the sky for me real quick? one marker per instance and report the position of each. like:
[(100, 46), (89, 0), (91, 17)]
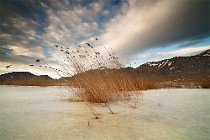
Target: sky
[(138, 31)]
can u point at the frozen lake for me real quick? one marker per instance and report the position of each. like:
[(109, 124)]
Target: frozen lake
[(41, 113)]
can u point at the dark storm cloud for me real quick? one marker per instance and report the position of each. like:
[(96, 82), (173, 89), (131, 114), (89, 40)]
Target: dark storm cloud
[(19, 16), (28, 24), (159, 23), (190, 21)]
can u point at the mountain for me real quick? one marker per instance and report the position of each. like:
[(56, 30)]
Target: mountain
[(25, 78), (205, 53), (179, 71), (20, 75)]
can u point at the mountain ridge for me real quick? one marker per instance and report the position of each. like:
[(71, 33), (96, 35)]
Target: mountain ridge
[(194, 70)]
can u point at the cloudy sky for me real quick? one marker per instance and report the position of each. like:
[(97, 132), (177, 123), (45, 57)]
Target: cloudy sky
[(137, 30)]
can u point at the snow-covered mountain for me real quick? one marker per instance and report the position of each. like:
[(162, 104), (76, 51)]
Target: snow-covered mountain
[(192, 70)]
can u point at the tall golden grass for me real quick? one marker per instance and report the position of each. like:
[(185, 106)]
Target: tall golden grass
[(100, 78)]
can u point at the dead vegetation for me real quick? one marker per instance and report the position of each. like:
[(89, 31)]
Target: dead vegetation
[(100, 78)]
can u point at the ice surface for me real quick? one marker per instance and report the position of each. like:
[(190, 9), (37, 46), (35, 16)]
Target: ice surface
[(37, 113)]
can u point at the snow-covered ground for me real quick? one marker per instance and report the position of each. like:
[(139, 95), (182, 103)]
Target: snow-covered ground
[(42, 113)]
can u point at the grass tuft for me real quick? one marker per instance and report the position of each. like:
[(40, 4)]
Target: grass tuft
[(100, 78)]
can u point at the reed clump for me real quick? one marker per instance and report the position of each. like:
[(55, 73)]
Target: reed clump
[(100, 77), (105, 86)]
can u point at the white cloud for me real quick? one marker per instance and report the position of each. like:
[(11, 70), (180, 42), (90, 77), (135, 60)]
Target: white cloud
[(130, 32), (190, 51), (20, 49), (72, 24)]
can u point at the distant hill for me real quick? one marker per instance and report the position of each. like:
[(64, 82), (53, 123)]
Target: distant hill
[(191, 71), (21, 75), (25, 78)]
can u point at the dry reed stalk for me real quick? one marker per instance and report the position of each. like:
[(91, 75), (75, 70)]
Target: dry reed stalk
[(100, 78)]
